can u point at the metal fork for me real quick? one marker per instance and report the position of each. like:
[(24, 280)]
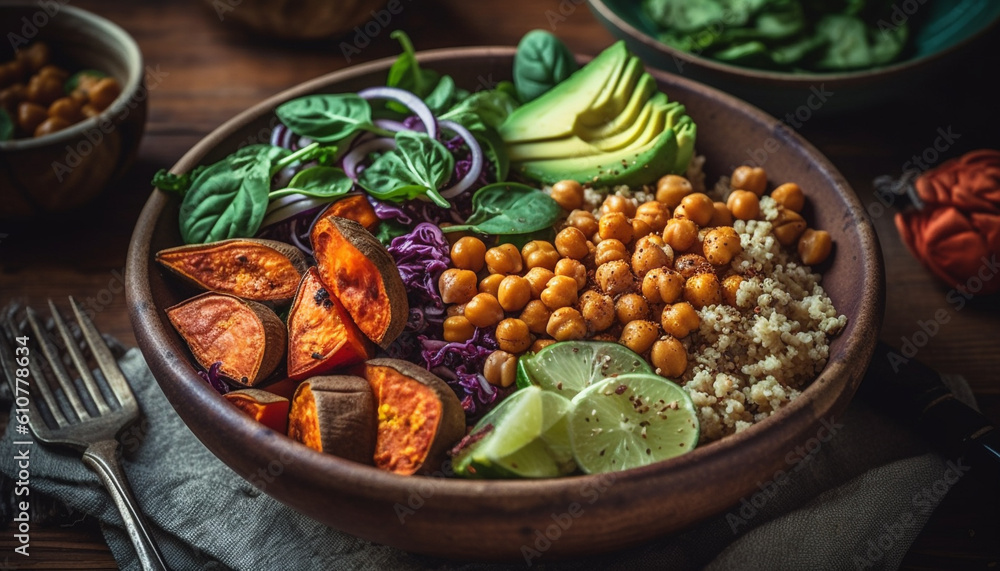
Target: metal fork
[(75, 426)]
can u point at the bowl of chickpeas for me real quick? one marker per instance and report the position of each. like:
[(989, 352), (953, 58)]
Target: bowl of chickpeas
[(72, 107)]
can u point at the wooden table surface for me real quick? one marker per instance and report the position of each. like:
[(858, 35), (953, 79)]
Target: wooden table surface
[(211, 70)]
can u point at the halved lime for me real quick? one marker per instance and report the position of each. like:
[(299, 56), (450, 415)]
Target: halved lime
[(570, 366), (629, 421), (525, 436)]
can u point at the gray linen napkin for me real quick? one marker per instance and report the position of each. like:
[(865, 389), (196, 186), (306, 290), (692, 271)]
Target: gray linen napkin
[(855, 501)]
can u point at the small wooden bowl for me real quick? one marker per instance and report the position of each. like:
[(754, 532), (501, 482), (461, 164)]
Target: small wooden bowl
[(494, 519), (67, 169)]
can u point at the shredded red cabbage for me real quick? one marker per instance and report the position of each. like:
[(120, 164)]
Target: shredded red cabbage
[(460, 365), (214, 379), (421, 256)]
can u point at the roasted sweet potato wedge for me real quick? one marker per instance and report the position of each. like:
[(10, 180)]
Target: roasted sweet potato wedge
[(245, 336), (359, 271), (356, 208), (419, 416), (264, 407), (250, 268), (283, 388), (321, 334), (336, 415)]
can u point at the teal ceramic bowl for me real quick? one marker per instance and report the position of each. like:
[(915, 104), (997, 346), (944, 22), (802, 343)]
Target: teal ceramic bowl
[(940, 31)]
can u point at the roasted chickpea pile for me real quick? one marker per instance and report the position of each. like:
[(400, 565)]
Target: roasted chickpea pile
[(42, 98), (632, 273)]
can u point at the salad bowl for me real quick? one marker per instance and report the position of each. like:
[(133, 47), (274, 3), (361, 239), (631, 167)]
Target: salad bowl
[(445, 516)]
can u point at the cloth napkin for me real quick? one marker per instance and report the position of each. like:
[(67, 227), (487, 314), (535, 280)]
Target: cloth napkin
[(856, 501)]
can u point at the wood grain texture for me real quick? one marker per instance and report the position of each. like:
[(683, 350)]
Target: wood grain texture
[(212, 70)]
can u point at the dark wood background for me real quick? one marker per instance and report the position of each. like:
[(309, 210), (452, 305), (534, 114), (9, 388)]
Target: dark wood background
[(213, 69)]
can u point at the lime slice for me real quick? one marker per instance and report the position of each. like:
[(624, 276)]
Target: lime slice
[(570, 366), (525, 436), (629, 421)]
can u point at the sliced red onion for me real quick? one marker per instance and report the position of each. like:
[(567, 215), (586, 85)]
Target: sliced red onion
[(303, 143), (297, 204), (477, 160), (296, 241), (358, 154), (407, 99), (390, 125)]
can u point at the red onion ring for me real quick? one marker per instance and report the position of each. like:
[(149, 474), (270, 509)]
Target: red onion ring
[(407, 99), (477, 160), (358, 154)]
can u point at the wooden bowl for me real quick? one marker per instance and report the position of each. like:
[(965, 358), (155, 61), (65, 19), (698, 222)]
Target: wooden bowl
[(67, 169), (494, 519)]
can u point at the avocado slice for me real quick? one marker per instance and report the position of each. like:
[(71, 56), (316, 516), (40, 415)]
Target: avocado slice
[(650, 123), (624, 90), (644, 90), (687, 133), (633, 166), (553, 114)]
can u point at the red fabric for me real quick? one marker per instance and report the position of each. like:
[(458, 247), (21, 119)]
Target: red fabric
[(957, 232)]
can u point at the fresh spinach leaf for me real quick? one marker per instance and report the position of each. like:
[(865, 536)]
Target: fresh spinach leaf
[(495, 151), (491, 107), (406, 73), (6, 126), (541, 62), (175, 183), (418, 166), (320, 182), (389, 229), (324, 155), (507, 208), (326, 118), (442, 96)]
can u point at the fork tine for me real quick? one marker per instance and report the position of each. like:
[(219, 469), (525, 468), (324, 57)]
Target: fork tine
[(62, 377), (105, 360), (40, 383), (81, 364)]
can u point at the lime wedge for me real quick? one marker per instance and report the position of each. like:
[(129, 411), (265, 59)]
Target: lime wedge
[(570, 366), (525, 436), (629, 421)]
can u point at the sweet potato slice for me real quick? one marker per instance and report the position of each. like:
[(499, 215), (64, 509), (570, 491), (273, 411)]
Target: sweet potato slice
[(356, 208), (283, 388), (254, 269), (336, 415), (321, 334), (419, 416), (359, 271), (245, 336), (264, 407)]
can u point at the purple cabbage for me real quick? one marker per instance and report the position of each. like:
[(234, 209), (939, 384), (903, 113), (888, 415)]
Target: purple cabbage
[(421, 256), (459, 364), (214, 379)]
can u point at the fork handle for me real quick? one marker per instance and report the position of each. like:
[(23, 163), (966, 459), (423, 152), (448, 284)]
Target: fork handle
[(102, 458)]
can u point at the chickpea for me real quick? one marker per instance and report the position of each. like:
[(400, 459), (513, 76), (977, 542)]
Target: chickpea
[(680, 233), (11, 97), (457, 309), (539, 253), (483, 310), (503, 259), (700, 291), (574, 269), (615, 277), (639, 335), (679, 319), (585, 221), (51, 125), (56, 72), (458, 329), (491, 284), (513, 335), (640, 229), (44, 90), (468, 253), (721, 216), (559, 292), (616, 203), (89, 111), (663, 285), (536, 316), (815, 246), (743, 204), (669, 357), (104, 93), (566, 324), (538, 278), (80, 96), (752, 179), (514, 293), (730, 287), (609, 251), (572, 243), (690, 265), (788, 226), (671, 188), (34, 56), (10, 73), (598, 310), (651, 253), (568, 194), (653, 213), (66, 108), (30, 115), (790, 196), (631, 307), (721, 245), (697, 207), (457, 286), (540, 344), (500, 369), (615, 226)]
